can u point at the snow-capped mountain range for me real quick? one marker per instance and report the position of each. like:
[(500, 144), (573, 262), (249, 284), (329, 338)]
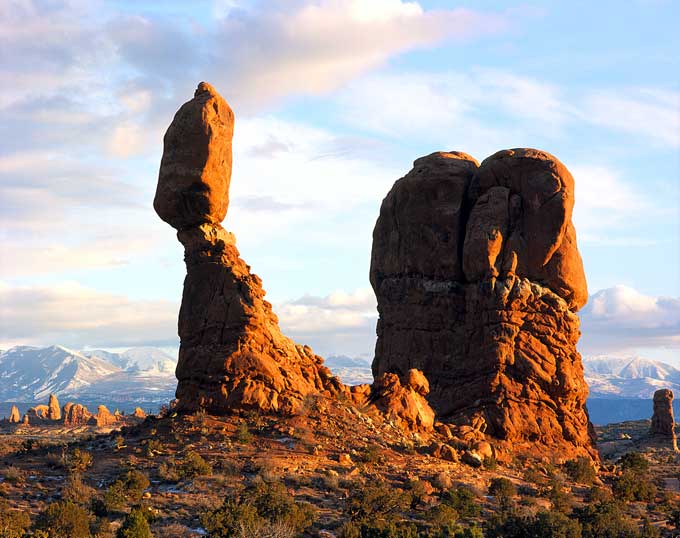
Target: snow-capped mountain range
[(146, 374), (31, 374), (629, 377)]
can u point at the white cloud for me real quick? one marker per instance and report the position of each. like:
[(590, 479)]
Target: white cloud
[(287, 47), (76, 316), (621, 319), (339, 323), (649, 113)]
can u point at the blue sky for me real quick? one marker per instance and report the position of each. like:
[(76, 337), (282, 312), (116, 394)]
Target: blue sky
[(334, 99)]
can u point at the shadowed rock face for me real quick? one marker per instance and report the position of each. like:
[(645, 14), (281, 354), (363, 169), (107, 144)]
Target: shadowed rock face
[(478, 278), (662, 430), (232, 353)]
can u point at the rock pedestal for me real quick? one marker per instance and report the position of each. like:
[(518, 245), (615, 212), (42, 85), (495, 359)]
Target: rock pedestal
[(478, 280), (232, 353), (662, 430)]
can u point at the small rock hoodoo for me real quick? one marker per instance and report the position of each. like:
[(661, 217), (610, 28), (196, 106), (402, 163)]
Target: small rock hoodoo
[(662, 429), (478, 279)]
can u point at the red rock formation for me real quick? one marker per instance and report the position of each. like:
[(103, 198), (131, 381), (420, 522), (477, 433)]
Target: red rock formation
[(478, 279), (39, 412), (75, 414), (232, 353), (139, 413), (14, 416), (103, 417), (403, 400), (53, 409), (662, 430)]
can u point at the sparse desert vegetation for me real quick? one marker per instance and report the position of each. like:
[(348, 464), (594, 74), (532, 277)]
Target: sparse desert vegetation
[(332, 473)]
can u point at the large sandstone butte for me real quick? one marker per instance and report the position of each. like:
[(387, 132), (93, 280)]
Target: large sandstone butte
[(662, 429), (232, 353), (478, 279)]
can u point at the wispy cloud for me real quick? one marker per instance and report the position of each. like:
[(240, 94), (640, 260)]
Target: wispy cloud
[(76, 316), (341, 322), (621, 319)]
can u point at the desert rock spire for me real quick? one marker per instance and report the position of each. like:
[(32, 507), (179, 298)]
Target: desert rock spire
[(232, 353)]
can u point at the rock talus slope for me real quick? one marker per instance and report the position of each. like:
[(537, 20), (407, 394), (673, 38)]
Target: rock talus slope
[(232, 353), (478, 280)]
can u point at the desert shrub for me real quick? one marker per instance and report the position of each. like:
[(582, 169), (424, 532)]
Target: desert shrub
[(581, 470), (543, 525), (674, 519), (259, 506), (442, 516), (153, 447), (633, 486), (77, 491), (503, 490), (560, 499), (534, 476), (370, 454), (64, 519), (418, 491), (605, 520), (102, 528), (168, 471), (648, 530), (78, 461), (13, 475), (243, 434), (194, 465), (598, 495), (135, 525), (443, 481), (462, 500), (375, 502), (378, 529), (13, 523), (129, 488), (490, 463), (635, 462)]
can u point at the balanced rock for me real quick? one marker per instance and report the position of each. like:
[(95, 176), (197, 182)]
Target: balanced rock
[(53, 409), (662, 430), (193, 182), (478, 280), (14, 415), (232, 353)]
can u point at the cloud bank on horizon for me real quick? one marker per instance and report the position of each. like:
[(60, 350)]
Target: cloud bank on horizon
[(334, 99)]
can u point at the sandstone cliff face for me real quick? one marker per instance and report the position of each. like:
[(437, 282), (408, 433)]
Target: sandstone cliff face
[(478, 278), (662, 429), (232, 353)]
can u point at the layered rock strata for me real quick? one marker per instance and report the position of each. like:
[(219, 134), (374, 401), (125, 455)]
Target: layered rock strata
[(478, 279), (232, 353)]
